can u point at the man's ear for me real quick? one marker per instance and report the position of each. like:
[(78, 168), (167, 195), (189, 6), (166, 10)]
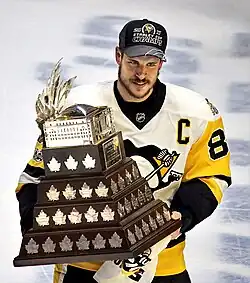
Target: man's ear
[(118, 55), (160, 65)]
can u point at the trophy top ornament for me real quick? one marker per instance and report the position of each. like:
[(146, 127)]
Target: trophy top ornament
[(51, 101), (76, 125)]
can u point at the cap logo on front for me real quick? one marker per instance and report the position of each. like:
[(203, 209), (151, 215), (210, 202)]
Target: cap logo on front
[(147, 34), (148, 28)]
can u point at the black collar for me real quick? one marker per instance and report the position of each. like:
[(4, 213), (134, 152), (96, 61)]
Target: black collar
[(140, 113)]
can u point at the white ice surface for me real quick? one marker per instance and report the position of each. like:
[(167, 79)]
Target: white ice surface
[(203, 55)]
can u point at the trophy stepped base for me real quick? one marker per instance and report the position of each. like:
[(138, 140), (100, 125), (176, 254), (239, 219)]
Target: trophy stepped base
[(101, 255), (126, 206), (21, 262), (77, 188), (125, 240)]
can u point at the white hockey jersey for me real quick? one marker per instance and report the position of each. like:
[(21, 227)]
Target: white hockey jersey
[(188, 131)]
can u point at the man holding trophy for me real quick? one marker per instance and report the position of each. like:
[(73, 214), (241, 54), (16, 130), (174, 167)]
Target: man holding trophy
[(121, 171)]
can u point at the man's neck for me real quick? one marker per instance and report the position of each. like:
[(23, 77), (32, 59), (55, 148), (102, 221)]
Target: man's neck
[(127, 96)]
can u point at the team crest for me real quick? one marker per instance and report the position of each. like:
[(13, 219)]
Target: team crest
[(162, 161), (37, 156), (166, 161)]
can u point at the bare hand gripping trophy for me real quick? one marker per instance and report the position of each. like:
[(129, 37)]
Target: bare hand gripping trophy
[(92, 204)]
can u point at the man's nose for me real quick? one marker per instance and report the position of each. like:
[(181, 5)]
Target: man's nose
[(141, 73)]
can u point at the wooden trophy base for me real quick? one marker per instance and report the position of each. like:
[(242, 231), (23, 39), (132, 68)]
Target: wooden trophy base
[(133, 235)]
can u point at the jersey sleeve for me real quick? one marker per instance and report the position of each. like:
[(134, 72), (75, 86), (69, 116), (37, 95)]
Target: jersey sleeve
[(26, 189), (209, 158), (206, 175)]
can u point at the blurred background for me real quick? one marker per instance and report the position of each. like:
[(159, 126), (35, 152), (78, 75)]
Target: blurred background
[(209, 52)]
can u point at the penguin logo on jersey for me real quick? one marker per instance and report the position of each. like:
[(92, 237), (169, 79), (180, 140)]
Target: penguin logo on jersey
[(38, 156), (161, 160)]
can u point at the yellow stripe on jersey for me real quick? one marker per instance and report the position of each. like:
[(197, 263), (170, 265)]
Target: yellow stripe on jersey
[(19, 187), (209, 156), (214, 187), (34, 161), (59, 273), (171, 261)]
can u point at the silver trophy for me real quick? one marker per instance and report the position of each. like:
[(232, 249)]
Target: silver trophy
[(92, 204)]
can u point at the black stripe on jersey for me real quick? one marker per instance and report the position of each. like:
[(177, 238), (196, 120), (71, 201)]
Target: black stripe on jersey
[(33, 171), (74, 273), (27, 198), (195, 201), (176, 241), (146, 109)]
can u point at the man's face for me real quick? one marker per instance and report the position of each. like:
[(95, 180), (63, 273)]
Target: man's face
[(138, 74)]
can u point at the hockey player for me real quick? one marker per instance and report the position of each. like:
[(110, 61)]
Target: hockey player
[(156, 119)]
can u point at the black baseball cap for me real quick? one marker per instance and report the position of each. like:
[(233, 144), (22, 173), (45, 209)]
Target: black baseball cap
[(143, 37)]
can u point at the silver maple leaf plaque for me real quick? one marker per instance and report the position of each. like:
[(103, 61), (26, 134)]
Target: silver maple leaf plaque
[(99, 242), (138, 232), (54, 165), (141, 197), (145, 227), (91, 215), (42, 219), (89, 162), (32, 247), (134, 201), (159, 219), (152, 223), (135, 172), (121, 182), (131, 237), (83, 243), (113, 186), (102, 190), (71, 163), (148, 193), (69, 192), (59, 218), (53, 194), (66, 244), (49, 246), (166, 214), (121, 209), (115, 241), (107, 214), (75, 217), (85, 191), (127, 205), (128, 177)]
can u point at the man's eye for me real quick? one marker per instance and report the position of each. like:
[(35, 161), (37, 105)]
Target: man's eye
[(132, 62), (151, 64)]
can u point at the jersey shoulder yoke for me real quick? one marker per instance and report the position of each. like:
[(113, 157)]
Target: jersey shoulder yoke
[(99, 94), (189, 103)]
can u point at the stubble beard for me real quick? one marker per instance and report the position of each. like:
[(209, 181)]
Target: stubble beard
[(129, 91)]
